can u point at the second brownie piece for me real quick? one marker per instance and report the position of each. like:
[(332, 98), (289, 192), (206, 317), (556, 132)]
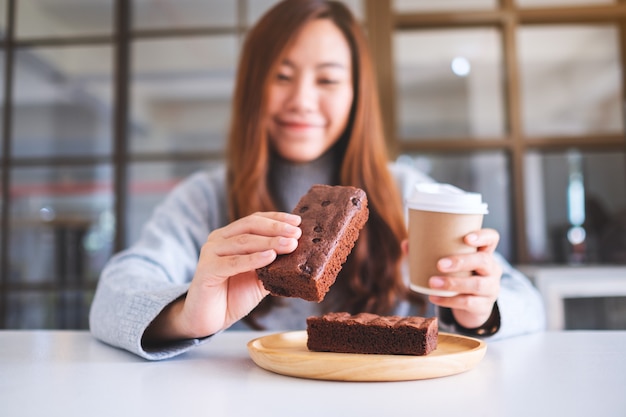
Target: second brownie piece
[(332, 217), (372, 334)]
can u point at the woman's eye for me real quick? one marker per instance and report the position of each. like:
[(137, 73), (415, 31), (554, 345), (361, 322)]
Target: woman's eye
[(283, 77), (327, 81)]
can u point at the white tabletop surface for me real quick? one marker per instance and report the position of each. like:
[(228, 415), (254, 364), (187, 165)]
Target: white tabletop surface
[(68, 373)]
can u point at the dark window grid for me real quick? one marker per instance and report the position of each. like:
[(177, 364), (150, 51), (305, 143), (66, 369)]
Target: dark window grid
[(124, 35), (6, 151), (507, 18), (111, 39), (508, 11), (121, 40)]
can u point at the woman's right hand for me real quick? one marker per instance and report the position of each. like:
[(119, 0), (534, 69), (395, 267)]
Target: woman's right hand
[(225, 286)]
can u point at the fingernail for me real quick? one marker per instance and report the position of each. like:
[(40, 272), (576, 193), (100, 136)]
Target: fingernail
[(267, 253), (284, 241), (436, 282), (291, 229), (445, 263), (294, 217), (472, 237)]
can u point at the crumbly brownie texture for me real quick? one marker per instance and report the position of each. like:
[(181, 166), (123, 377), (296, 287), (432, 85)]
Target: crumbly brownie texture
[(371, 333), (332, 217)]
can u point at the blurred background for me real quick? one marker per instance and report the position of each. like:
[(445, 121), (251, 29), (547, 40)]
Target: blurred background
[(107, 104)]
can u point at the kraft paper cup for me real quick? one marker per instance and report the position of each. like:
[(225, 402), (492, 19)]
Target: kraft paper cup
[(440, 216)]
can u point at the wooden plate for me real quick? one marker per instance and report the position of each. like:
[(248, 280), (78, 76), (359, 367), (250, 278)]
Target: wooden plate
[(287, 354)]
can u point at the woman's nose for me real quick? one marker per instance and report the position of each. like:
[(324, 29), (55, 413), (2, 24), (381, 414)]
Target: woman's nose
[(303, 96)]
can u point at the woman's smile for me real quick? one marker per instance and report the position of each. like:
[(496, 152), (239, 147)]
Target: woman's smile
[(299, 125)]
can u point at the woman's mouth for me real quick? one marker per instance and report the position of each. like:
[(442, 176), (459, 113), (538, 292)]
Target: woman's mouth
[(298, 124)]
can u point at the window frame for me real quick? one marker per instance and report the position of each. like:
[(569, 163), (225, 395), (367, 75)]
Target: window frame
[(507, 18), (380, 22)]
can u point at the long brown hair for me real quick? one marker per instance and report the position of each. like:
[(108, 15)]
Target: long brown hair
[(371, 279)]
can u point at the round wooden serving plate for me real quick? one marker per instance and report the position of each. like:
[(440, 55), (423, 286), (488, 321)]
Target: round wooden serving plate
[(287, 354)]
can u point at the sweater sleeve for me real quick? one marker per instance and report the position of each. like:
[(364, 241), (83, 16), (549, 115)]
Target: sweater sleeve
[(139, 282)]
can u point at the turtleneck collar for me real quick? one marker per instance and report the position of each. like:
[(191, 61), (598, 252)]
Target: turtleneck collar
[(289, 181)]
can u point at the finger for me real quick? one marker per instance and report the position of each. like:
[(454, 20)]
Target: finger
[(456, 302), (473, 285), (265, 224), (477, 307), (483, 239), (248, 244), (482, 263), (224, 267)]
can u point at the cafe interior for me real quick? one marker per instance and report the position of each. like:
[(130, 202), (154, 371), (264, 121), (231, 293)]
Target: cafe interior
[(520, 100)]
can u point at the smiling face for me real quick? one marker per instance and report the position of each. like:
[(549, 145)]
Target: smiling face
[(311, 93)]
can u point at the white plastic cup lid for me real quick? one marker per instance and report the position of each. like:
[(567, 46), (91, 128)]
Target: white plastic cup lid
[(446, 198)]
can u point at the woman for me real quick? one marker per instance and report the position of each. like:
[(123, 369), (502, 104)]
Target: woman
[(305, 111)]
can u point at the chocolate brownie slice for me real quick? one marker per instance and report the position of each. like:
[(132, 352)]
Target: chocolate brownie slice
[(332, 217), (371, 333)]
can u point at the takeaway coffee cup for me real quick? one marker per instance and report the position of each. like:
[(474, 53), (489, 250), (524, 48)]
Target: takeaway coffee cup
[(440, 216)]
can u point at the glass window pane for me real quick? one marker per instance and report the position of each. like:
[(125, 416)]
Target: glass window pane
[(62, 225), (3, 17), (45, 18), (3, 277), (449, 84), (30, 310), (564, 91), (182, 103), (595, 313), (1, 103), (48, 309), (483, 172), (256, 8), (149, 183), (552, 3), (159, 14), (62, 101), (576, 207), (407, 6)]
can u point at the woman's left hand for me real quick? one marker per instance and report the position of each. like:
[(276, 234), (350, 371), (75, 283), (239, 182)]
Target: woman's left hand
[(477, 293)]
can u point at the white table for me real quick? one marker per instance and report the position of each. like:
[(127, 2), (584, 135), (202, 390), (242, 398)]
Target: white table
[(68, 373)]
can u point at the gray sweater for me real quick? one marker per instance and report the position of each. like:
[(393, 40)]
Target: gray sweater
[(139, 282)]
